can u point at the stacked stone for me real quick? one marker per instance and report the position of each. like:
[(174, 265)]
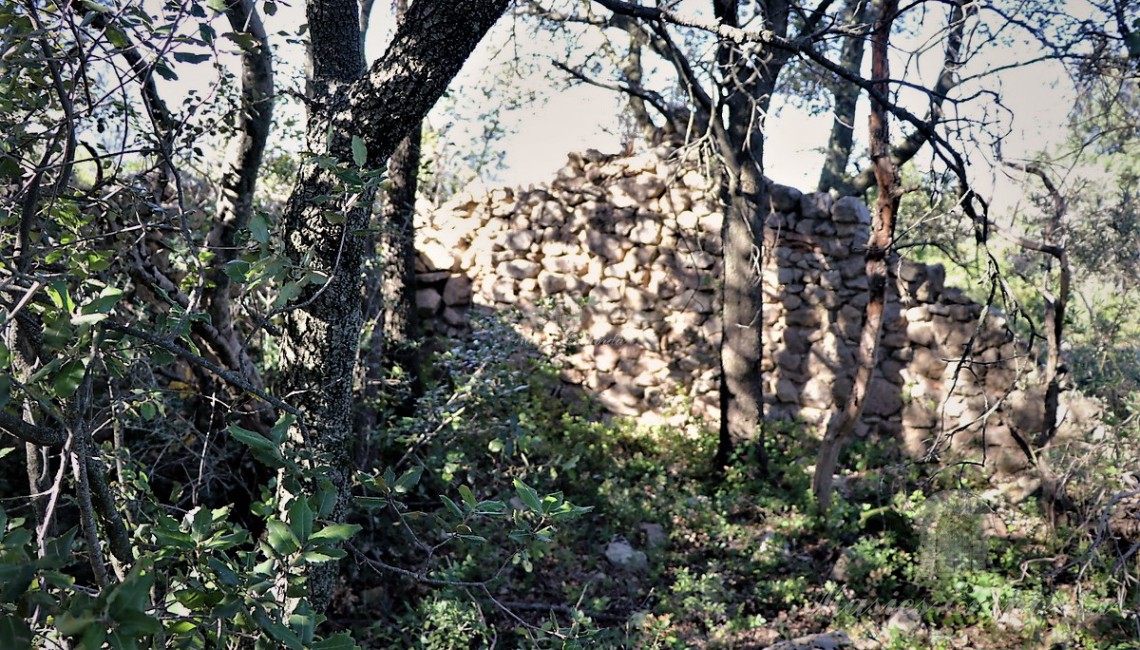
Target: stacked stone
[(618, 257), (617, 264)]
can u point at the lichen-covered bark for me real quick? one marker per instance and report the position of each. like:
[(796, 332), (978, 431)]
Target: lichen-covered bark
[(322, 326)]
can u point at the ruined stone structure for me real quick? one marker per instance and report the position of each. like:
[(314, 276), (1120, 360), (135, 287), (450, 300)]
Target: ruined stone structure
[(616, 264)]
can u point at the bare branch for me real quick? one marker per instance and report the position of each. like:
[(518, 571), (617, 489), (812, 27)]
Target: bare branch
[(177, 350), (32, 433)]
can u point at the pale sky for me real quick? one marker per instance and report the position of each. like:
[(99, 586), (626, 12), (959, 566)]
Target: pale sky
[(562, 120)]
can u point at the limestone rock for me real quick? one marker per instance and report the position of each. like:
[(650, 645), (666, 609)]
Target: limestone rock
[(620, 553), (457, 291)]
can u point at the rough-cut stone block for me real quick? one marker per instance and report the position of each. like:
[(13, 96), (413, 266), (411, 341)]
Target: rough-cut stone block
[(701, 260), (816, 205), (455, 317), (457, 290), (435, 257), (883, 400), (646, 230), (431, 277), (551, 283), (608, 290), (504, 292), (608, 247), (850, 209), (784, 198), (619, 400), (427, 301), (518, 269), (518, 240)]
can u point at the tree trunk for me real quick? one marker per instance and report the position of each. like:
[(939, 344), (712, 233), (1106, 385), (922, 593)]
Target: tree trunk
[(842, 423), (947, 80), (391, 361), (748, 79), (846, 97), (239, 182), (329, 239)]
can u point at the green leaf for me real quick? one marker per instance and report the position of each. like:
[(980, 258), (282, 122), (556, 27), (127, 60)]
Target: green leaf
[(5, 390), (281, 538), (468, 495), (301, 518), (338, 641), (304, 622), (15, 633), (359, 151), (57, 291), (237, 270), (324, 555), (164, 71), (187, 57), (259, 227), (147, 410), (16, 580), (528, 496), (226, 575), (334, 534), (57, 331), (281, 427), (67, 380), (70, 624), (246, 42), (201, 523), (409, 479), (325, 496), (451, 506), (270, 8), (371, 502), (107, 299), (87, 319), (262, 448)]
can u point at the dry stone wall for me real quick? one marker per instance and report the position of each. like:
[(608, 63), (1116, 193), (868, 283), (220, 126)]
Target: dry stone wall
[(615, 266)]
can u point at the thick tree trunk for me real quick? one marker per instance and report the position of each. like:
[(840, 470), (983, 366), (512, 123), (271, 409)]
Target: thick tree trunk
[(748, 80), (741, 346), (842, 423), (330, 238)]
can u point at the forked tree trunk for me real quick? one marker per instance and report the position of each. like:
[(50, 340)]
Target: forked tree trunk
[(331, 238)]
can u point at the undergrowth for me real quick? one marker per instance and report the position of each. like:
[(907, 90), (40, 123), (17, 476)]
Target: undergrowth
[(904, 558)]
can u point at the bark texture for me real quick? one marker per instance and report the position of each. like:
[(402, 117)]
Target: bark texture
[(390, 361), (842, 423), (947, 79), (322, 326), (748, 78)]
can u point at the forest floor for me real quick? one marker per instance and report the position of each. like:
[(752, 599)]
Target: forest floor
[(670, 556)]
